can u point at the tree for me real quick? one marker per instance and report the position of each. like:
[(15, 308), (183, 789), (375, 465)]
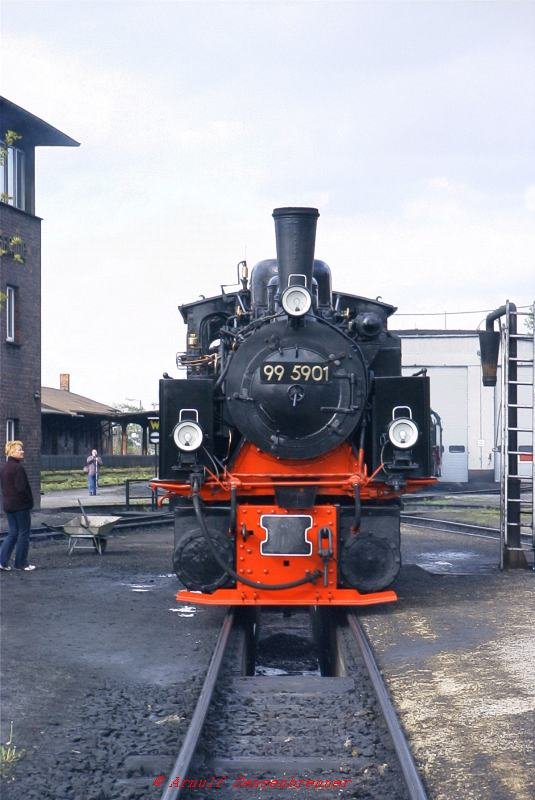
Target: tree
[(133, 430)]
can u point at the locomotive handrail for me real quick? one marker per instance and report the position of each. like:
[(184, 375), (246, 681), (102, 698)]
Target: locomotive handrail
[(343, 484), (257, 323), (163, 497)]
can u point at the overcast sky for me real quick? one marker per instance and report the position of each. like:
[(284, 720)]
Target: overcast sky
[(410, 125)]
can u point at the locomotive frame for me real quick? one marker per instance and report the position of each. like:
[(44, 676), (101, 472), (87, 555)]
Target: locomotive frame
[(286, 449)]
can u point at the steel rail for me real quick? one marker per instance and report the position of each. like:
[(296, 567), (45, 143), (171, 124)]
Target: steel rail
[(449, 525), (183, 761), (406, 760), (463, 528), (451, 493)]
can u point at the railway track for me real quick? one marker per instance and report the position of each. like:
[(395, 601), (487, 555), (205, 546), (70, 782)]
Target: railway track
[(408, 767), (254, 734), (449, 526), (43, 533), (435, 523)]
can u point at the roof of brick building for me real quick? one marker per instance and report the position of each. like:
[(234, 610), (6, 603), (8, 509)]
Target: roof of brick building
[(59, 401)]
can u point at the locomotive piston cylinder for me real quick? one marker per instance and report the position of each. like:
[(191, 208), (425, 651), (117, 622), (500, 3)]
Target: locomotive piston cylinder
[(295, 234)]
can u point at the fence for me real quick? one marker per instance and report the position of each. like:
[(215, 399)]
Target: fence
[(51, 462), (140, 490)]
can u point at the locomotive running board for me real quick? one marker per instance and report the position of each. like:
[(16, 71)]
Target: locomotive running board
[(246, 596)]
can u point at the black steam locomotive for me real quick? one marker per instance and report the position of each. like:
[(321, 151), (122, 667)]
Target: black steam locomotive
[(286, 449)]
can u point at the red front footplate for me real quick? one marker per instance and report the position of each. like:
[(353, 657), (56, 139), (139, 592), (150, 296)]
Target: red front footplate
[(306, 595)]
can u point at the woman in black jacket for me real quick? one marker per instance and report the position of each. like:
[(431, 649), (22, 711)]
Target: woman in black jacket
[(17, 500)]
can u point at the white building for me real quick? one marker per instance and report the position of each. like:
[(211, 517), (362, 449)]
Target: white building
[(468, 410)]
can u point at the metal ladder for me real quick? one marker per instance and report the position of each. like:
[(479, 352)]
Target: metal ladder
[(517, 508)]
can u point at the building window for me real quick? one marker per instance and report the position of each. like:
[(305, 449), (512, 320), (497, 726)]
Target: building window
[(11, 429), (10, 314), (13, 177)]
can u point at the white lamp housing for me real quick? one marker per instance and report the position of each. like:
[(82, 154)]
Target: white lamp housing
[(296, 301), (188, 436), (403, 431)]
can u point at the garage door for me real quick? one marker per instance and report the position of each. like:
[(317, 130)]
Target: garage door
[(449, 398)]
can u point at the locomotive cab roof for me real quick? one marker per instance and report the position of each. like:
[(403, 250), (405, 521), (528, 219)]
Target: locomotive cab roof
[(217, 301), (344, 300)]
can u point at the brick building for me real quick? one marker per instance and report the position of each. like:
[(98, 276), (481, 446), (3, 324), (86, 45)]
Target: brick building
[(20, 280)]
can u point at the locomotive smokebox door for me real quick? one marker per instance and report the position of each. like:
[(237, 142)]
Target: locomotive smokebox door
[(186, 426), (296, 393)]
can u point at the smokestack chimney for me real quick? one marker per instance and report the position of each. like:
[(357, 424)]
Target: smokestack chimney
[(295, 233), (65, 382)]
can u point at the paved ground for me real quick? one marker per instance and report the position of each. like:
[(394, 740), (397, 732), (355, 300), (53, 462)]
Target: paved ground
[(52, 503), (107, 495), (457, 652), (97, 660)]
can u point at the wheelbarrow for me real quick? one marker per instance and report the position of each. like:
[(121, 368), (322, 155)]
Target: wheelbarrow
[(88, 531)]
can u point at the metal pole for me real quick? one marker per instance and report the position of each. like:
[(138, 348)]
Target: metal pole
[(503, 447), (533, 429), (513, 555)]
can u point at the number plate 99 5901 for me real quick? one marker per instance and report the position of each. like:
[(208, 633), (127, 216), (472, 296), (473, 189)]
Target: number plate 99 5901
[(291, 372)]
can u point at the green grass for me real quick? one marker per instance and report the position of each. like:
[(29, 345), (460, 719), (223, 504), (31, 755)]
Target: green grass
[(54, 480), (488, 517), (464, 510), (9, 755)]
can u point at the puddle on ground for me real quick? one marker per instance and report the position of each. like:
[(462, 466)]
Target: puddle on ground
[(139, 587), (185, 611), (455, 555), (151, 582), (453, 562)]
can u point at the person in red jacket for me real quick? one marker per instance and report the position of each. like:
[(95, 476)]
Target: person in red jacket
[(17, 501)]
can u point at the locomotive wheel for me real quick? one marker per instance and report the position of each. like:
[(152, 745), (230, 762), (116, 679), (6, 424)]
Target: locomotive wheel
[(368, 563), (194, 564)]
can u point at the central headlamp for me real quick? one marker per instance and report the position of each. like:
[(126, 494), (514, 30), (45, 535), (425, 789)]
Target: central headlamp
[(296, 301)]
